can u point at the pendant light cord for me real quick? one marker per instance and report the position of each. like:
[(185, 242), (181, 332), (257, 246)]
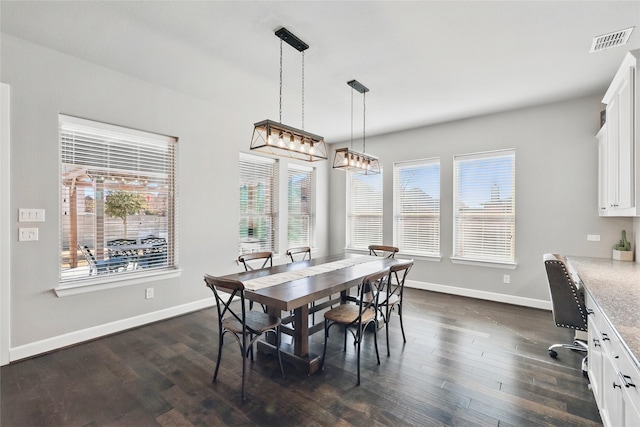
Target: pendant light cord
[(351, 119), (280, 119), (303, 90), (364, 116)]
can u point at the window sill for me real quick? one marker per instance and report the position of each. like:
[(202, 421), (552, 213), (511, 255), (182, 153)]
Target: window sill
[(117, 281), (483, 263)]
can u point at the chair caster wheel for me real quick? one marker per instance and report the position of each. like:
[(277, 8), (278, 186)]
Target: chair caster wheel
[(553, 353)]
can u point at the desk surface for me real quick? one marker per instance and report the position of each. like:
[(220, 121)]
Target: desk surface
[(615, 286)]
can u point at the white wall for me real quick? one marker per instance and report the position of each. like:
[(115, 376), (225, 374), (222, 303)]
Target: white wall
[(44, 83), (556, 193)]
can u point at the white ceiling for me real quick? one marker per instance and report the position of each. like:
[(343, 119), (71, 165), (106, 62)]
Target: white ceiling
[(424, 62)]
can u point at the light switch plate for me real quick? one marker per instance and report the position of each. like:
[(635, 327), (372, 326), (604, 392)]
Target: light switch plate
[(30, 215)]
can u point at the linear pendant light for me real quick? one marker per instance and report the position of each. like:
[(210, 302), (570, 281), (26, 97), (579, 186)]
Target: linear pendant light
[(278, 139), (348, 159)]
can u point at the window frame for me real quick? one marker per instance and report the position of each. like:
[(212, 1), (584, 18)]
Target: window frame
[(87, 145), (490, 258), (272, 198), (421, 217), (376, 212), (310, 210)]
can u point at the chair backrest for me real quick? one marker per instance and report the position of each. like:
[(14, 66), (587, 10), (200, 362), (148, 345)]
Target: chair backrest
[(113, 246), (567, 299), (91, 260), (304, 250), (369, 290), (153, 240), (231, 289), (383, 250), (397, 276), (266, 257)]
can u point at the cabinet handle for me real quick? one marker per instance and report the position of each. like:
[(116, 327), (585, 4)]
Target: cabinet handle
[(626, 380), (616, 385), (605, 337), (596, 343), (589, 311)]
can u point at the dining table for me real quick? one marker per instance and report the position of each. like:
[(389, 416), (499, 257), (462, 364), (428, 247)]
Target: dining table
[(298, 287)]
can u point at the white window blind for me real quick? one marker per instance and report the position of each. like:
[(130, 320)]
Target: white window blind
[(364, 210), (484, 206), (258, 203), (300, 223), (117, 186), (416, 201)]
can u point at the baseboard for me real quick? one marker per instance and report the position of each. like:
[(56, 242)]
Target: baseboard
[(473, 293), (61, 341)]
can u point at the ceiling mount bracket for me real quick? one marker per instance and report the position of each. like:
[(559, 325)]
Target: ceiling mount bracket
[(358, 86), (291, 39)]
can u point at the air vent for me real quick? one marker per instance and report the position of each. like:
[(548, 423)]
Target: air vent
[(607, 41)]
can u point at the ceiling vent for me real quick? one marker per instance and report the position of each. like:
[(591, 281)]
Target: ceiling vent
[(607, 41)]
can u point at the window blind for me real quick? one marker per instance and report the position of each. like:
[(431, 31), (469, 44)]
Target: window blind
[(484, 206), (117, 185), (364, 210), (416, 202), (258, 203), (300, 223)]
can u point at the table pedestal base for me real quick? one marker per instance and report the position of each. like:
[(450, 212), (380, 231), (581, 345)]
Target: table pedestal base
[(309, 363)]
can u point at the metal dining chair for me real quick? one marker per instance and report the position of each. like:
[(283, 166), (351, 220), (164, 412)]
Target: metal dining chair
[(392, 296), (245, 326), (356, 317), (383, 250), (304, 250), (246, 260)]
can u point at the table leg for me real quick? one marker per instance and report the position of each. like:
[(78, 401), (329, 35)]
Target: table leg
[(301, 331)]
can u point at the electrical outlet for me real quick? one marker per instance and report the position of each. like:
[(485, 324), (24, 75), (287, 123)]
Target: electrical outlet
[(148, 293), (593, 237), (506, 278), (27, 234)]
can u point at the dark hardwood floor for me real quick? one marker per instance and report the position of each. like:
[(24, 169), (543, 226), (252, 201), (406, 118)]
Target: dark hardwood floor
[(466, 363)]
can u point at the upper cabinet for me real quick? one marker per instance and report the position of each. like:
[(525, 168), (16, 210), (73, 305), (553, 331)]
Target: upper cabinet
[(619, 144)]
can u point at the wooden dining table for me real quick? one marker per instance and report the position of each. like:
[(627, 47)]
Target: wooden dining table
[(298, 295)]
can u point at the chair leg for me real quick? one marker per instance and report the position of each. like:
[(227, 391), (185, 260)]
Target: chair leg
[(375, 340), (244, 363), (386, 329), (278, 338), (326, 337), (404, 338), (215, 374), (360, 333)]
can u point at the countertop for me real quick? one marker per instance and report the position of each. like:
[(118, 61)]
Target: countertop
[(615, 287)]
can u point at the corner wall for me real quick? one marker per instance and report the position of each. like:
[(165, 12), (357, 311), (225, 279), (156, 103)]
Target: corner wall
[(556, 194)]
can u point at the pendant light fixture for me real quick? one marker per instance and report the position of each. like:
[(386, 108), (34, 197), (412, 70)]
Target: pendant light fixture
[(348, 159), (278, 139)]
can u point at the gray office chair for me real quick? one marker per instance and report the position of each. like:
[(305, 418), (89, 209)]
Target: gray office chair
[(567, 300)]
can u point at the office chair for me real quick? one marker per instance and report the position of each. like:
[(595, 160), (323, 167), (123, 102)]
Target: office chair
[(567, 300)]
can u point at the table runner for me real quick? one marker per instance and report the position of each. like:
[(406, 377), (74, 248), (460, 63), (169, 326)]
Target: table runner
[(288, 276)]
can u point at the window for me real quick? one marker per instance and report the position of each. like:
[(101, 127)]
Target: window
[(484, 207), (258, 203), (364, 210), (117, 186), (416, 202), (300, 223)]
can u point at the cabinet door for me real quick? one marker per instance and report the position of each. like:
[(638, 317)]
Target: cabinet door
[(595, 361), (603, 178), (613, 124), (625, 142)]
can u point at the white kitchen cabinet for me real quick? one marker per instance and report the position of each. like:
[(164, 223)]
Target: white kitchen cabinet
[(613, 374), (619, 160)]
